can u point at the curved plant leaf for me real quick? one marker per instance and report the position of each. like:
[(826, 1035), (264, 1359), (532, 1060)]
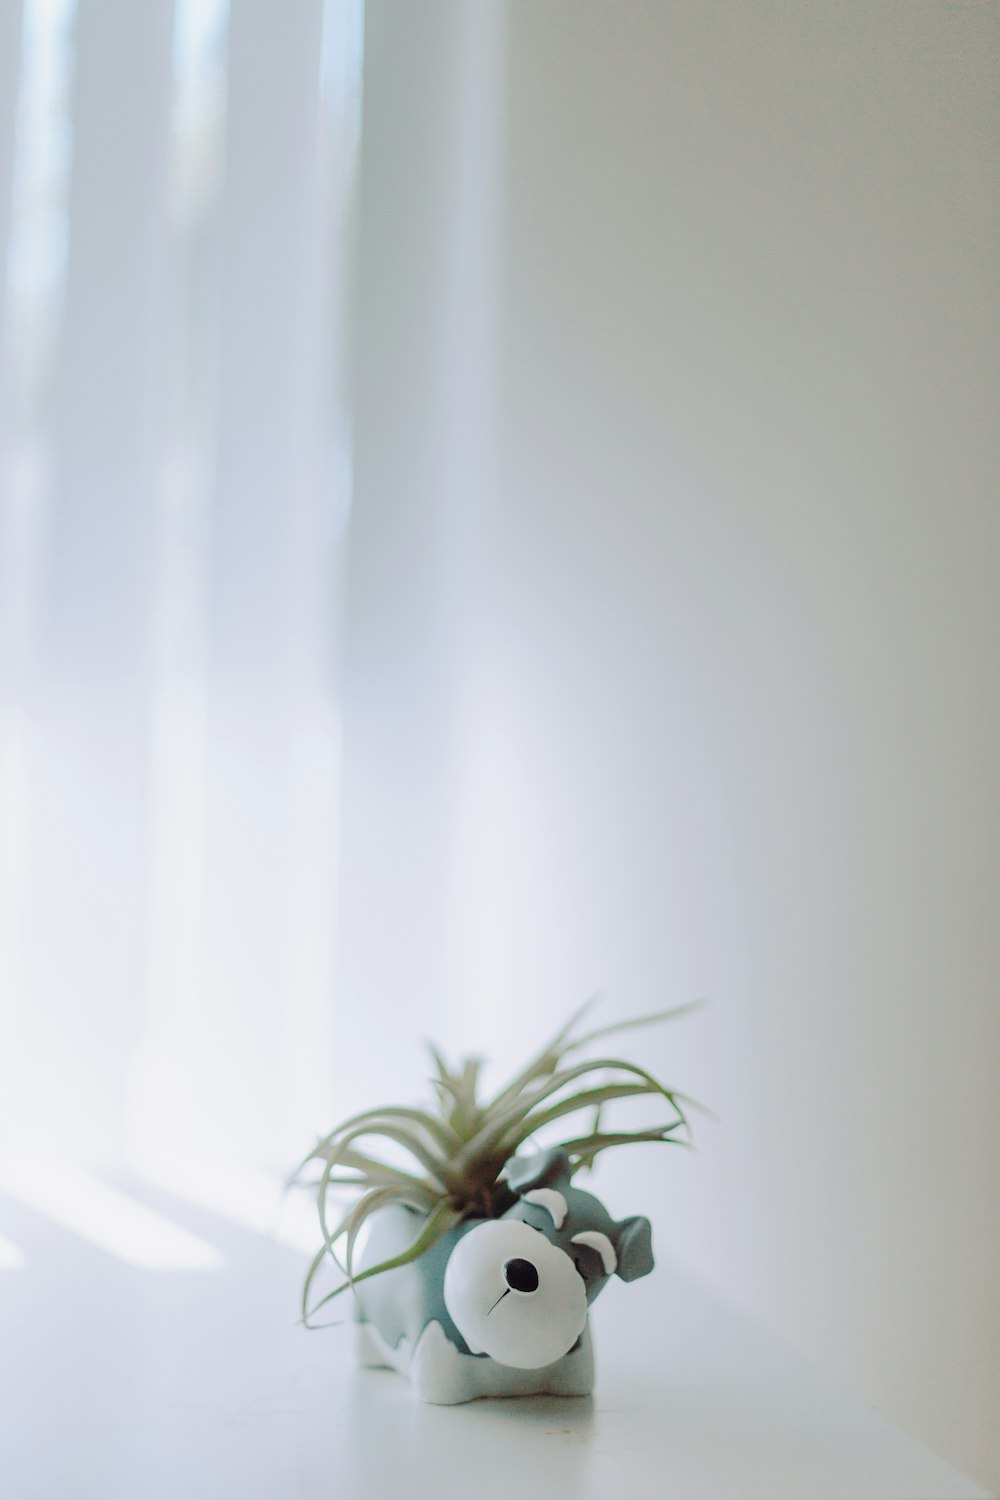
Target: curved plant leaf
[(438, 1222)]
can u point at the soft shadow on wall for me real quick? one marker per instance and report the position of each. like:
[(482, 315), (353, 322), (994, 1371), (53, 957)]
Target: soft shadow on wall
[(701, 698), (176, 191)]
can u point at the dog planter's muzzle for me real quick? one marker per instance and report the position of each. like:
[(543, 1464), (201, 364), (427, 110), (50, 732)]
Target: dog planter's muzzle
[(514, 1295)]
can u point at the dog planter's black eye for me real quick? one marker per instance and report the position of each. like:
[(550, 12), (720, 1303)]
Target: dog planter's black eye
[(520, 1275)]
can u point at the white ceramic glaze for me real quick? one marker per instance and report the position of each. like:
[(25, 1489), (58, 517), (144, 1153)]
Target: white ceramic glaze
[(442, 1376), (552, 1201), (602, 1244), (526, 1329)]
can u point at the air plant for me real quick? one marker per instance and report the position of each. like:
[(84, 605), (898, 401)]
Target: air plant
[(455, 1153)]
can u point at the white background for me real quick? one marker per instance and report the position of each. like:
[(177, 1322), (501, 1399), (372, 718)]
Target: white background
[(665, 657)]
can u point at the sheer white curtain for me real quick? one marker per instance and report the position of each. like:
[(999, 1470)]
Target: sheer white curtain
[(176, 190)]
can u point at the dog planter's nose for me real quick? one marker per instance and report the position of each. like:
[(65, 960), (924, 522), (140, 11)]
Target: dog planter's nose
[(514, 1295), (520, 1275)]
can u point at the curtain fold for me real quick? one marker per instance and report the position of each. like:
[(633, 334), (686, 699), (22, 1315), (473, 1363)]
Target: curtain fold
[(177, 184)]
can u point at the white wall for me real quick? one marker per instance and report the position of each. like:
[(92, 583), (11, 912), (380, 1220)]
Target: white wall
[(425, 410), (705, 698)]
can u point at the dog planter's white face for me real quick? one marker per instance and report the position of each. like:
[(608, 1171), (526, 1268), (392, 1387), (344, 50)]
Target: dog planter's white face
[(514, 1295)]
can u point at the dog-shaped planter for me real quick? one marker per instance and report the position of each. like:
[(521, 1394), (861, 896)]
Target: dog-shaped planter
[(498, 1307)]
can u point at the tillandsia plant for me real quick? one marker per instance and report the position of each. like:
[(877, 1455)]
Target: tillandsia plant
[(455, 1153)]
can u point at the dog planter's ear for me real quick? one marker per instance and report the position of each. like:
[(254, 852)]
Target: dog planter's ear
[(635, 1248), (542, 1169)]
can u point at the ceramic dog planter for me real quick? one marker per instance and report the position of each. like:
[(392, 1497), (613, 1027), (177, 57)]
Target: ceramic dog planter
[(499, 1307), (483, 1255)]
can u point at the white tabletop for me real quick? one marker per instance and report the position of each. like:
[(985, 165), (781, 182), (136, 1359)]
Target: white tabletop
[(122, 1381)]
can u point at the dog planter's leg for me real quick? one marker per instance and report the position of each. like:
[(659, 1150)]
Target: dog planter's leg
[(574, 1374), (442, 1376)]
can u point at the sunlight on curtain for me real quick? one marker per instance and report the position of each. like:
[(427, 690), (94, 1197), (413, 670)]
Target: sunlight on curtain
[(176, 200)]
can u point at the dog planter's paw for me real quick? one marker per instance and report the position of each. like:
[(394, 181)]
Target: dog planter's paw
[(498, 1307)]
